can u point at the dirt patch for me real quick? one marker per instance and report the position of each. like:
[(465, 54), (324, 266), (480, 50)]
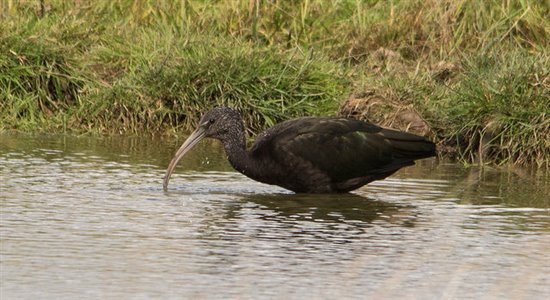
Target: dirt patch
[(385, 112)]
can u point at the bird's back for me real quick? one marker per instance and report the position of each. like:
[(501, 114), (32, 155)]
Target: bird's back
[(323, 154)]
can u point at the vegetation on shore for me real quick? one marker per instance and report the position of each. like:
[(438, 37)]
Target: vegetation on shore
[(475, 73)]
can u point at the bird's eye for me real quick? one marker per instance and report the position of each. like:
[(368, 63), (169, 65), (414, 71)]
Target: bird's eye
[(208, 122)]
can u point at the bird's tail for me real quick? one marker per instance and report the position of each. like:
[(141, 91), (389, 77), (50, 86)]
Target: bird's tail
[(409, 146)]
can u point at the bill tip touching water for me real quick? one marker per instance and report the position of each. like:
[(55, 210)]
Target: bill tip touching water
[(310, 154)]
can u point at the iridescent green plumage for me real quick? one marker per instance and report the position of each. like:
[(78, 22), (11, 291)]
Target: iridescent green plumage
[(311, 154)]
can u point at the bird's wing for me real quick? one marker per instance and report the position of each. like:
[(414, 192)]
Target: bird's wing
[(340, 148)]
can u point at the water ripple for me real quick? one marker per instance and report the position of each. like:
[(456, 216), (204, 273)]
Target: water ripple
[(83, 222)]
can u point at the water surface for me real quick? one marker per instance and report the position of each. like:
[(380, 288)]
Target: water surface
[(86, 218)]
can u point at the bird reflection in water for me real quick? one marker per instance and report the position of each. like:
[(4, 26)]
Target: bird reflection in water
[(331, 208), (308, 219)]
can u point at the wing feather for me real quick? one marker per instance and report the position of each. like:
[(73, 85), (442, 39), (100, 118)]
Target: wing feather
[(339, 148)]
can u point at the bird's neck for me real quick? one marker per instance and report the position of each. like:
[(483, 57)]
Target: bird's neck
[(235, 148)]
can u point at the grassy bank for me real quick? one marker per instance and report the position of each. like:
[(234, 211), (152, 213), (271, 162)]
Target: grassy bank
[(475, 73)]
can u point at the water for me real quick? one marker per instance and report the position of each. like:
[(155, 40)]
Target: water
[(86, 218)]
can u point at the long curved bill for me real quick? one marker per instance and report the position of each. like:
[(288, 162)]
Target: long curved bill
[(191, 141)]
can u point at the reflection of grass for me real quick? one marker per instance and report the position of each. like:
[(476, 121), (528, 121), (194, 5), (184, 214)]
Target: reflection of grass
[(476, 71), (513, 187)]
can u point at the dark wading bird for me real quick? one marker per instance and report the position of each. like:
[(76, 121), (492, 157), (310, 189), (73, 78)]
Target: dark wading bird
[(310, 154)]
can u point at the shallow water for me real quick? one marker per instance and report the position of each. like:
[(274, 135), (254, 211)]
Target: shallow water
[(86, 218)]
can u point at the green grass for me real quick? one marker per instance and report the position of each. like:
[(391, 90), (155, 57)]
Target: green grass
[(503, 103), (475, 71), (176, 84), (491, 107)]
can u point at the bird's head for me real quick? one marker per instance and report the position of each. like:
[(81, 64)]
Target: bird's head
[(219, 123)]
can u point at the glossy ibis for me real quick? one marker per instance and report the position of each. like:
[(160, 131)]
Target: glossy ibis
[(310, 154)]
